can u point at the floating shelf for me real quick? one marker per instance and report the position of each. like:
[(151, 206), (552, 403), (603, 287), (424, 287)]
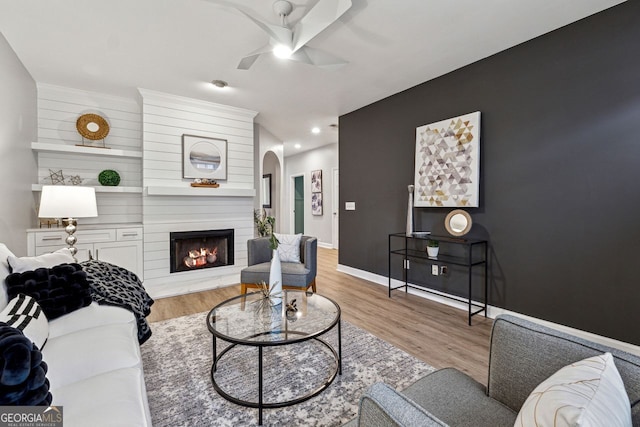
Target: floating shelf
[(74, 149), (99, 189), (206, 192)]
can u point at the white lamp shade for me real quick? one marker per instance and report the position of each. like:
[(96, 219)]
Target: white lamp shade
[(67, 201)]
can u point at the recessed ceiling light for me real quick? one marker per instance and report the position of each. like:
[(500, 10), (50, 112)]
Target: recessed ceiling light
[(297, 146), (221, 84), (315, 130)]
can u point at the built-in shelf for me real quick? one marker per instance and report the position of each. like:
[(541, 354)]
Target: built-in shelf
[(75, 149), (100, 189), (195, 191)]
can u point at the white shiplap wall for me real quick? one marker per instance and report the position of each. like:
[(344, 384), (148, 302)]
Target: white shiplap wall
[(165, 118), (58, 111)]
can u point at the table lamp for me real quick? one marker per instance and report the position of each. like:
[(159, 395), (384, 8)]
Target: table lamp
[(68, 202)]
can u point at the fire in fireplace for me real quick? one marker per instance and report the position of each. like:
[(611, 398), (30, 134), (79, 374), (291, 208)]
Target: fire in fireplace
[(194, 250)]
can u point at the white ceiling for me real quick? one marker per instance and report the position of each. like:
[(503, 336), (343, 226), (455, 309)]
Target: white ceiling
[(179, 46)]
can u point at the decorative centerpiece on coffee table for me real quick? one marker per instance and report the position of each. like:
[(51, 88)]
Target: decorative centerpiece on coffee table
[(270, 296)]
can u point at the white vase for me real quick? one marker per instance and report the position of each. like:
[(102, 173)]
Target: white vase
[(433, 252), (409, 230), (275, 278)]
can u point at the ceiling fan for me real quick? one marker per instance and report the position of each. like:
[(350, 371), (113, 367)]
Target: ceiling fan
[(290, 43)]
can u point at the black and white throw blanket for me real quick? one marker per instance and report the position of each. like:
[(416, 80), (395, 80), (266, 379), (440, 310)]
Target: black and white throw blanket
[(113, 285)]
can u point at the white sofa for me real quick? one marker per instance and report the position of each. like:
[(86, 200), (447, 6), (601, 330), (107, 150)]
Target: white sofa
[(95, 367)]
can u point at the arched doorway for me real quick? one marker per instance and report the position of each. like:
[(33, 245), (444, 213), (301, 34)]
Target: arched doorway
[(271, 166)]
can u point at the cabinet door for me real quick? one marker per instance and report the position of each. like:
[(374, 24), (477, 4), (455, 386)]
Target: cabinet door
[(123, 254), (81, 255)]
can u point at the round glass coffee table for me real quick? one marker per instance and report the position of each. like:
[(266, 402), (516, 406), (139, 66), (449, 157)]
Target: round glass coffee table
[(250, 321)]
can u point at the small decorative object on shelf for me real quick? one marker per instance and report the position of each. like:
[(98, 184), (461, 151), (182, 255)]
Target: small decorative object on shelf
[(75, 180), (92, 127), (109, 178), (56, 177), (48, 222), (204, 182), (433, 247)]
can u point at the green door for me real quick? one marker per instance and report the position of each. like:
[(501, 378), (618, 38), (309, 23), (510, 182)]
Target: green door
[(298, 205)]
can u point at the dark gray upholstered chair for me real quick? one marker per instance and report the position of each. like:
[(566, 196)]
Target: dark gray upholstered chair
[(522, 355), (298, 276)]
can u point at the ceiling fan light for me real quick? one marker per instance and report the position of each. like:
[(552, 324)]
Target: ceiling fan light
[(282, 51)]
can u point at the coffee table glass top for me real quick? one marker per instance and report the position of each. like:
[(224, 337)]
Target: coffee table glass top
[(250, 319)]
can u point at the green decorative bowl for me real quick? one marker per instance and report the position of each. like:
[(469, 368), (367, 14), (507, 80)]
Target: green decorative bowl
[(109, 177)]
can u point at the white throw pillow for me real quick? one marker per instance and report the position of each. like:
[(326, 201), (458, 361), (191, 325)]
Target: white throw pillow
[(586, 393), (22, 264), (5, 270), (289, 247), (24, 313)]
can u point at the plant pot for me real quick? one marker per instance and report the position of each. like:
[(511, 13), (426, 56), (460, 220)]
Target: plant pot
[(432, 251)]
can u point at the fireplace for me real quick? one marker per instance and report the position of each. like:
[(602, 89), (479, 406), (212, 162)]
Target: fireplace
[(195, 250)]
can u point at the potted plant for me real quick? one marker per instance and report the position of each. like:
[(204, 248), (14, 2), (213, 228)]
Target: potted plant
[(264, 223), (433, 247)]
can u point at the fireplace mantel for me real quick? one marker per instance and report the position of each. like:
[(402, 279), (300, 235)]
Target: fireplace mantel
[(205, 192)]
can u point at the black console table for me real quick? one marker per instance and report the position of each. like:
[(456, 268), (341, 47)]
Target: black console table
[(467, 253)]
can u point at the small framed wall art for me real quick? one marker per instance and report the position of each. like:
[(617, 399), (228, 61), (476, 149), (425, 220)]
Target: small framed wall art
[(316, 181), (316, 204), (204, 157)]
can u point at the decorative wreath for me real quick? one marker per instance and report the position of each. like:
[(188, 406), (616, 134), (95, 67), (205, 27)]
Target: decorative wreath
[(83, 123)]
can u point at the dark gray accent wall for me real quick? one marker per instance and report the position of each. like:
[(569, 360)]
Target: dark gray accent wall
[(560, 173)]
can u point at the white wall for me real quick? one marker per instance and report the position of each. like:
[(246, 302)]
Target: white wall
[(17, 163), (267, 142), (326, 159), (165, 118)]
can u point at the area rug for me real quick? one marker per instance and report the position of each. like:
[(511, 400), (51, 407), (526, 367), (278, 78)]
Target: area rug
[(177, 367)]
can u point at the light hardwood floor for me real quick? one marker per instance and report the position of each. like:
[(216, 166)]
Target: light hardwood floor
[(433, 332)]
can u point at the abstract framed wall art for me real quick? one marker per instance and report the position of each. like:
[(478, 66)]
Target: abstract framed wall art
[(316, 204), (447, 169), (204, 157), (316, 181)]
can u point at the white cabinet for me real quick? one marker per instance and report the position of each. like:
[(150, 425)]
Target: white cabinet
[(121, 246)]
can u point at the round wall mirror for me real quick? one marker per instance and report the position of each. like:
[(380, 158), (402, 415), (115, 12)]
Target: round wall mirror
[(458, 222), (205, 157)]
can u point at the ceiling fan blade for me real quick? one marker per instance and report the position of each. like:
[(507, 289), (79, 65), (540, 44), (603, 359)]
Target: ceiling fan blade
[(323, 14), (247, 61), (317, 57), (280, 34)]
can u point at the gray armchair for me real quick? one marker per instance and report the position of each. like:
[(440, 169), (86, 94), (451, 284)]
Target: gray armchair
[(522, 355), (298, 276)]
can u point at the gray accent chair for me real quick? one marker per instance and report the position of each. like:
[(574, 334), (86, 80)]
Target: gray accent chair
[(522, 355), (298, 276)]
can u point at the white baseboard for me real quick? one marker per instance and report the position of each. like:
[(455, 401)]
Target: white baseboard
[(492, 311), (325, 245)]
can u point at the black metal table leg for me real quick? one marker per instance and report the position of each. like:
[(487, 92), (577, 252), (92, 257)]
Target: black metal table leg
[(260, 385), (214, 354), (340, 346)]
